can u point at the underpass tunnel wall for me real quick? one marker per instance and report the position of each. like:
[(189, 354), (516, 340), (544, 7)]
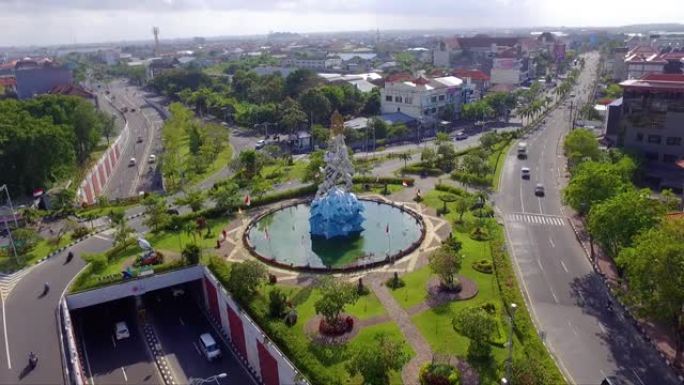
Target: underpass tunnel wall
[(73, 365), (249, 342)]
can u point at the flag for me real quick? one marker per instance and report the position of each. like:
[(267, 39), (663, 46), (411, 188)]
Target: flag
[(248, 201), (387, 229), (268, 238)]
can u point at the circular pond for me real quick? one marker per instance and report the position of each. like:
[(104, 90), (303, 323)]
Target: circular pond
[(281, 237)]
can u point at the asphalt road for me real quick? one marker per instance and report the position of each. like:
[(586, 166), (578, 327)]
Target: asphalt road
[(179, 322), (109, 361), (568, 300), (145, 123)]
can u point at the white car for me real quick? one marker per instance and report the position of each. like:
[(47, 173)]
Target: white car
[(461, 135), (153, 158), (209, 347), (260, 144), (132, 162), (121, 331), (525, 172)]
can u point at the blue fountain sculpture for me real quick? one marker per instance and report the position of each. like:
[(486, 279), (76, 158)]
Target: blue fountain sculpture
[(335, 211)]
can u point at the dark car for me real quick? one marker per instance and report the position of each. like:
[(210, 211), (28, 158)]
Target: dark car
[(539, 190)]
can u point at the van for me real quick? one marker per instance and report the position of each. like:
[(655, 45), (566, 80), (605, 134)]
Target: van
[(209, 347)]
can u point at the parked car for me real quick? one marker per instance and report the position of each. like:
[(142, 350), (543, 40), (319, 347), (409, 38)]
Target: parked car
[(461, 135), (209, 347), (539, 190), (132, 162), (525, 172), (260, 144), (149, 258), (121, 331)]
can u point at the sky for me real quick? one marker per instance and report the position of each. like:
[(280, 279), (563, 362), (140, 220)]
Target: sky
[(43, 22)]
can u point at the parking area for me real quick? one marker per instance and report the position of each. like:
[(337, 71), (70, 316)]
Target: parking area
[(112, 360), (179, 322)]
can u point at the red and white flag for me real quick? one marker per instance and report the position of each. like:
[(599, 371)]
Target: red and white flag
[(387, 229), (268, 238), (248, 201), (404, 183)]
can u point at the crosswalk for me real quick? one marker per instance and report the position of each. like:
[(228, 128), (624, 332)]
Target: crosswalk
[(8, 281), (536, 219)]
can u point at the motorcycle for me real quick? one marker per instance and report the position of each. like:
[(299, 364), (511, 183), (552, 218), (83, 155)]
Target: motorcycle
[(33, 360), (69, 257)]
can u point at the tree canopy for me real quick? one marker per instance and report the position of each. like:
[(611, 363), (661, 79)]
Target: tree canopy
[(580, 145), (593, 182), (375, 360)]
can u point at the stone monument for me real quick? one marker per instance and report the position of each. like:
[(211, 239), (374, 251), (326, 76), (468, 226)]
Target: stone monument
[(336, 211)]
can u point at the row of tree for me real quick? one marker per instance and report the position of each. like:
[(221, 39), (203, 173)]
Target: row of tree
[(630, 225), (45, 139)]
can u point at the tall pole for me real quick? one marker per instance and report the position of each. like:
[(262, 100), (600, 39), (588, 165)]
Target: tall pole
[(509, 363), (9, 200)]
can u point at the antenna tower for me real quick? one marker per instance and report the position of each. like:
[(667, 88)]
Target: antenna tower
[(155, 31)]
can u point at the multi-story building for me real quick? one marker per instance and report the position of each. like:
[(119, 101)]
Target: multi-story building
[(36, 78), (508, 69), (314, 63), (651, 119), (422, 98), (616, 64), (476, 83)]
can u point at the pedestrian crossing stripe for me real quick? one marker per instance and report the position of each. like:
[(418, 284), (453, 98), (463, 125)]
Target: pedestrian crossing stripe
[(537, 219)]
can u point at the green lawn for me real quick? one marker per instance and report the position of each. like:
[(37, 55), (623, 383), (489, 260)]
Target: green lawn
[(176, 240), (221, 160), (323, 361), (496, 161), (41, 250), (281, 172)]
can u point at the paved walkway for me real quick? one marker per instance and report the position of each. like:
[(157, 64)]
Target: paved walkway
[(410, 372)]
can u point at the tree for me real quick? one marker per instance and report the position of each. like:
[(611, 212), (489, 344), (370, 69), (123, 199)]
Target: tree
[(446, 157), (315, 105), (30, 215), (478, 326), (109, 127), (654, 268), (292, 117), (249, 164), (25, 240), (259, 186), (335, 295), (64, 200), (462, 204), (122, 233), (428, 156), (489, 140), (591, 183), (614, 222), (476, 162), (613, 91), (225, 196), (529, 370), (580, 145), (87, 125), (446, 263), (299, 81), (193, 198), (442, 137), (277, 303), (320, 134), (244, 279), (315, 166), (376, 360), (155, 212), (404, 156), (191, 253), (379, 128)]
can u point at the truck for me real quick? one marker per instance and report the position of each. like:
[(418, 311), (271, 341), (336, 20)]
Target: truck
[(522, 150)]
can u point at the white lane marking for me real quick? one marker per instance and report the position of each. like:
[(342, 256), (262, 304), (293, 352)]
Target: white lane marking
[(181, 321), (553, 293), (540, 265), (522, 201), (573, 329), (113, 341), (553, 245), (603, 328), (637, 376), (564, 267), (4, 329), (124, 373), (541, 210), (197, 349)]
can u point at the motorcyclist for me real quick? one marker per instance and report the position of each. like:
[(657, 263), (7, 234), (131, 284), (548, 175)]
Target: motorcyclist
[(46, 288), (70, 256), (33, 359)]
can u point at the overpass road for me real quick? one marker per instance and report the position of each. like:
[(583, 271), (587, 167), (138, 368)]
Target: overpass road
[(567, 298)]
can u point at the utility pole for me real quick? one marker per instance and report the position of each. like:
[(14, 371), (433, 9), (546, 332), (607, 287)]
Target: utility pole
[(14, 216), (509, 363)]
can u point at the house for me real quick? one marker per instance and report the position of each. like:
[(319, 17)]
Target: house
[(422, 98), (8, 84), (476, 83), (643, 60), (441, 54), (651, 122)]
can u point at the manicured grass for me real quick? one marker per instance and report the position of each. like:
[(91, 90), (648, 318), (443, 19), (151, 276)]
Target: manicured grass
[(314, 360), (414, 292), (281, 172), (41, 250), (497, 160), (222, 159), (176, 240), (97, 211)]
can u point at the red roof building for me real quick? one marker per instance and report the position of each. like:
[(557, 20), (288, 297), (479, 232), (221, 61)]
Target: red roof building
[(71, 90), (474, 75)]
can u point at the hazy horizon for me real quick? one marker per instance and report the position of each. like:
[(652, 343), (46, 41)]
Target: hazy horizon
[(52, 22)]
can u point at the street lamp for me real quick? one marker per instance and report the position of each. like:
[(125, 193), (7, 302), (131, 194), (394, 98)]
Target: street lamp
[(509, 363), (214, 378)]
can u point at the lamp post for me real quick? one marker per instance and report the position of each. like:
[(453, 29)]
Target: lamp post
[(214, 378), (509, 363)]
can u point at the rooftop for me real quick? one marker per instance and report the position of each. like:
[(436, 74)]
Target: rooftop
[(655, 82), (472, 74)]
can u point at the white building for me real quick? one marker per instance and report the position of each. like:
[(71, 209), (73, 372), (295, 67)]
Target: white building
[(507, 69), (421, 98), (315, 64)]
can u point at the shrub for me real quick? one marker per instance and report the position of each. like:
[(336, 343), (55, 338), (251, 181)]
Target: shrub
[(485, 212), (479, 233), (334, 327), (489, 307), (395, 282), (451, 189), (80, 232), (272, 279), (439, 374), (483, 266), (191, 254), (97, 261), (382, 180), (472, 179), (420, 170), (276, 303)]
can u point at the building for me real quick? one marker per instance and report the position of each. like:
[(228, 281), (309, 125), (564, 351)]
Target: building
[(508, 69), (441, 55), (421, 98), (651, 121), (483, 45), (8, 85), (615, 63), (476, 83), (314, 63), (34, 78), (643, 60)]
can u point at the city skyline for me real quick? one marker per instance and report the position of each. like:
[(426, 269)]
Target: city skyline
[(81, 21)]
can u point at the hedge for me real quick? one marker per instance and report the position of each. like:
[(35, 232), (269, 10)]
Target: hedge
[(524, 328), (419, 170), (472, 179), (451, 189), (383, 180)]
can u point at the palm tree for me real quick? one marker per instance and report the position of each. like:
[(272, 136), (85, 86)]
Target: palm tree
[(405, 156)]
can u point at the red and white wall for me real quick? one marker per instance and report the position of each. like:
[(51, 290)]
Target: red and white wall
[(261, 355), (95, 182)]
